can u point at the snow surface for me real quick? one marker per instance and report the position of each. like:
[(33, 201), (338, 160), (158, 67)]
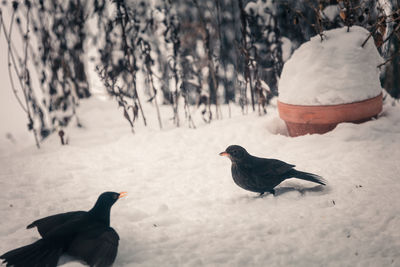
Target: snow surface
[(335, 71), (183, 208), (331, 12), (287, 48)]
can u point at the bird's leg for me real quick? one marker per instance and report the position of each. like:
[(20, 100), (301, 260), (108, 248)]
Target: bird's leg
[(261, 194), (272, 191)]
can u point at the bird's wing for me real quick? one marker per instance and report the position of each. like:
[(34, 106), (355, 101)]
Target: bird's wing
[(97, 245), (47, 224), (269, 167), (65, 231)]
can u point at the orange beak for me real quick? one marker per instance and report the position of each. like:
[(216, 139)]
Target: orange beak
[(224, 154), (122, 194)]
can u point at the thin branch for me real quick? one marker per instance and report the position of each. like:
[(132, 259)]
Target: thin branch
[(210, 61), (26, 75), (10, 54), (389, 59), (128, 54), (245, 51), (369, 36)]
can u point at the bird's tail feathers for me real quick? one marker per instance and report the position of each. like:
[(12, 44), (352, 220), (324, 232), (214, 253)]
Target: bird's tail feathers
[(37, 254), (309, 177)]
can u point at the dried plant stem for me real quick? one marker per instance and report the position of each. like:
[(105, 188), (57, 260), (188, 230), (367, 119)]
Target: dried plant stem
[(373, 32), (26, 76), (11, 57), (245, 51), (176, 106), (393, 32), (129, 56), (210, 61), (389, 59), (187, 109), (220, 51), (188, 114), (154, 97), (366, 40), (175, 94)]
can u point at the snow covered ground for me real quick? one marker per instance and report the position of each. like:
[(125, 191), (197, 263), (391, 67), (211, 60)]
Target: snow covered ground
[(183, 208)]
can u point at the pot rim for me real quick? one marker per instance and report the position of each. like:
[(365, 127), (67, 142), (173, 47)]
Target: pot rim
[(325, 106), (327, 114)]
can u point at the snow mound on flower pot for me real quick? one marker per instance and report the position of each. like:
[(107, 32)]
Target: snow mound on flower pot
[(335, 71)]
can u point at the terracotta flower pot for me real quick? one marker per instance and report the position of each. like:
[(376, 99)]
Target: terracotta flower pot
[(301, 120)]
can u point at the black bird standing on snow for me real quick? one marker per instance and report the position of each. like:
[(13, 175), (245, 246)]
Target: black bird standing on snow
[(86, 235), (261, 175)]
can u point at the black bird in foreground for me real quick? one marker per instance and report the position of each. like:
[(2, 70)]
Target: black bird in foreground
[(261, 175), (86, 235)]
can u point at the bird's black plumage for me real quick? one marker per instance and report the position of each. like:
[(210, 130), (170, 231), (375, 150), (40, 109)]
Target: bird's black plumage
[(261, 175), (86, 235)]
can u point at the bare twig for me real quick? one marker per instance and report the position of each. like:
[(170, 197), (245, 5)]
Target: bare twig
[(389, 59), (210, 62), (245, 51), (26, 75), (11, 55), (366, 40), (111, 87), (145, 48), (223, 61), (128, 53), (23, 85)]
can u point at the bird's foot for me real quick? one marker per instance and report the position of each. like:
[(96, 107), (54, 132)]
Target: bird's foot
[(261, 195)]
